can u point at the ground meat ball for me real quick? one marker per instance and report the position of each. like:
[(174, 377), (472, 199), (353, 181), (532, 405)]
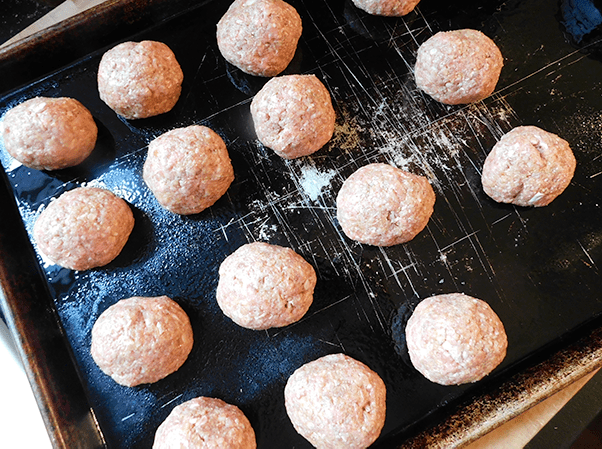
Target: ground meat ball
[(259, 36), (141, 340), (205, 423), (395, 8), (293, 115), (188, 169), (140, 79), (49, 133), (455, 339), (263, 286), (84, 228), (528, 167), (382, 205), (336, 402), (458, 67)]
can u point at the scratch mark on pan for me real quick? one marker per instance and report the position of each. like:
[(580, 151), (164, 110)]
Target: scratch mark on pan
[(173, 400), (587, 254)]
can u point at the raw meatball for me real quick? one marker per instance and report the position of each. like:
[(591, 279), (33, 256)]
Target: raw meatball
[(259, 36), (84, 228), (140, 79), (458, 67), (205, 423), (188, 169), (49, 133), (528, 167), (141, 340), (293, 115), (336, 402), (382, 205), (455, 339), (395, 8), (263, 286)]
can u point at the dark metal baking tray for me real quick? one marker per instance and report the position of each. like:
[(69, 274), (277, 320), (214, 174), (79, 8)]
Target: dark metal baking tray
[(538, 268)]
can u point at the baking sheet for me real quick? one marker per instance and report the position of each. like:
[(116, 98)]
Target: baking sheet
[(536, 267)]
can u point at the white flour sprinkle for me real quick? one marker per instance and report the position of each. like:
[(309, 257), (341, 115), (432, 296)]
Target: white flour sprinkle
[(313, 181)]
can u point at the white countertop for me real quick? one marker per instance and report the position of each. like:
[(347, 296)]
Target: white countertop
[(21, 424)]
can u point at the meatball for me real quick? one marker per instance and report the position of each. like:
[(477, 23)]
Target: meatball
[(336, 402), (455, 339), (259, 36), (205, 423), (263, 286), (188, 169), (396, 8), (528, 167), (49, 133), (140, 79), (458, 67), (141, 340), (84, 228), (382, 205), (293, 115)]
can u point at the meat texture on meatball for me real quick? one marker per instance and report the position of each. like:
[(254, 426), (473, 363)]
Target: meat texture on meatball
[(528, 167), (141, 340), (188, 169), (140, 79), (383, 205), (263, 286), (293, 115), (393, 8), (49, 133), (454, 339), (336, 402), (205, 423), (84, 228), (458, 67), (259, 36)]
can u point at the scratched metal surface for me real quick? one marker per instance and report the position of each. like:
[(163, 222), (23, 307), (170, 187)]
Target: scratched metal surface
[(538, 268)]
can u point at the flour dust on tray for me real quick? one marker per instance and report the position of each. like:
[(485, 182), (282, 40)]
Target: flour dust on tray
[(49, 133), (259, 36), (205, 422), (383, 205), (336, 402), (293, 115), (188, 169), (528, 167), (140, 79), (141, 340), (454, 339), (262, 286), (84, 228), (458, 67)]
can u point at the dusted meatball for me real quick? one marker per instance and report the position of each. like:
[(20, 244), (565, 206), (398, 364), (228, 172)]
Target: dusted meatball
[(84, 228), (395, 8), (455, 339), (458, 67), (259, 36), (382, 205), (336, 402), (205, 423), (528, 167), (263, 286), (140, 79), (188, 169), (49, 133), (293, 115), (141, 340)]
